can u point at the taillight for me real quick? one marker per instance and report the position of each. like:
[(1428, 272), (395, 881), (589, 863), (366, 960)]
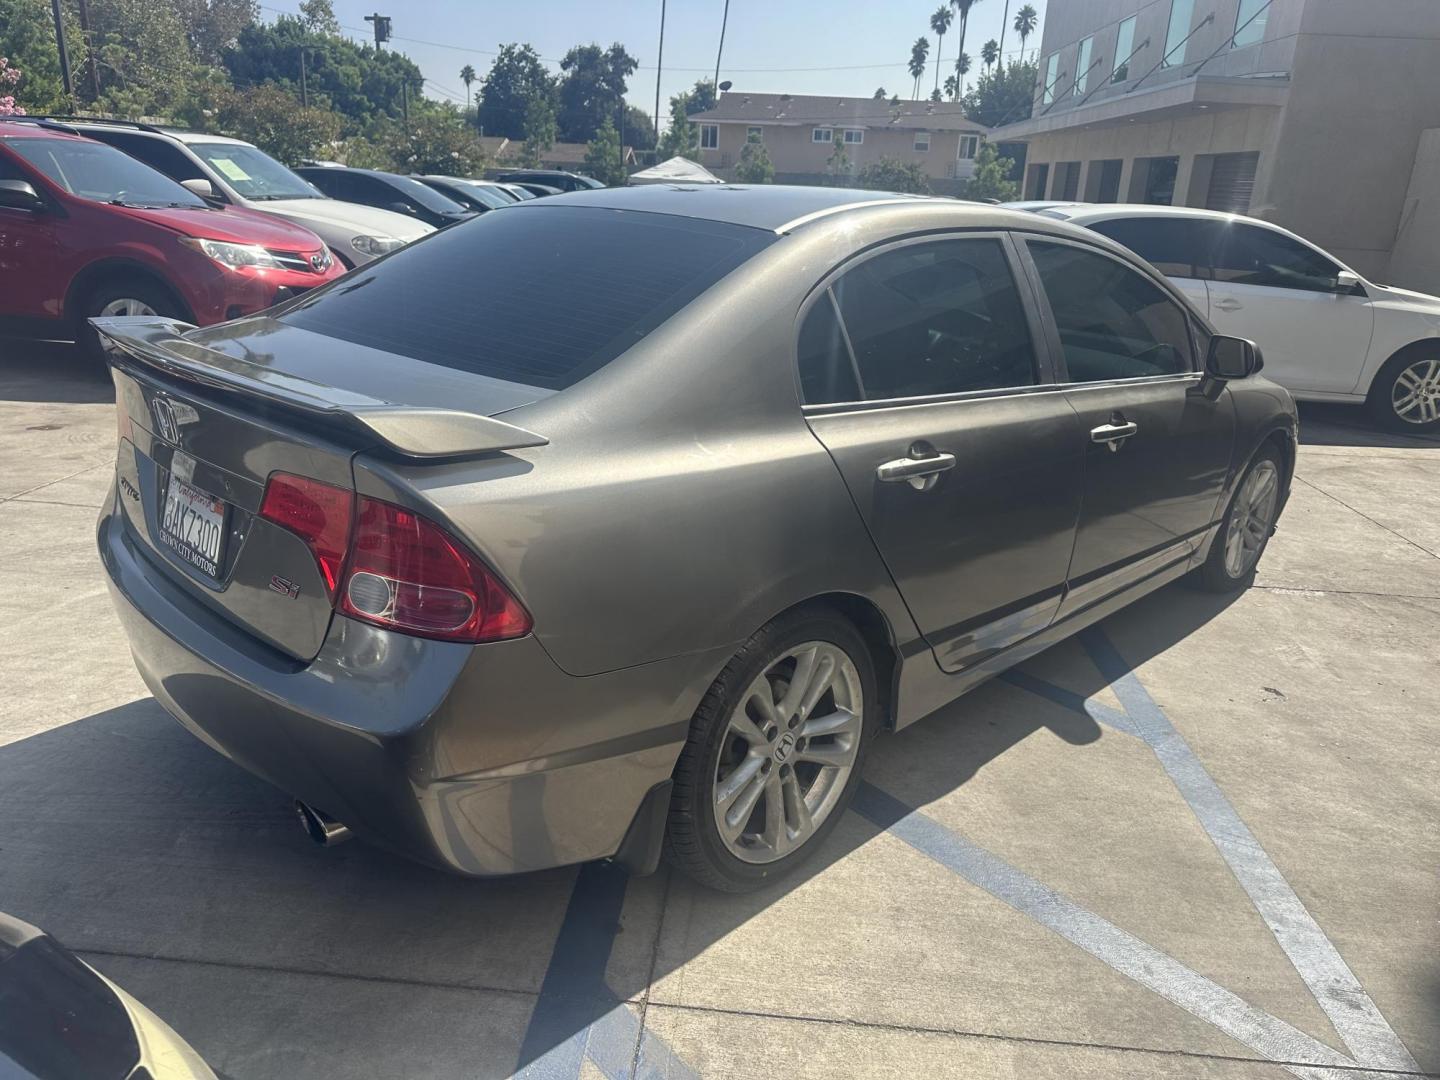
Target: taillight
[(316, 512), (408, 574)]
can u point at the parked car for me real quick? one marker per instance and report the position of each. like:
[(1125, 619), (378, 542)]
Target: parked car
[(476, 195), (60, 1019), (521, 194), (1328, 333), (229, 172), (559, 179), (389, 191), (506, 584), (539, 191), (87, 230)]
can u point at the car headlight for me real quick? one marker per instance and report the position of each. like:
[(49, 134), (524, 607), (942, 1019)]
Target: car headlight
[(375, 245), (234, 255)]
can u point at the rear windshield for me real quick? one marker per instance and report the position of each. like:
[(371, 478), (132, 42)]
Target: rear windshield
[(542, 297)]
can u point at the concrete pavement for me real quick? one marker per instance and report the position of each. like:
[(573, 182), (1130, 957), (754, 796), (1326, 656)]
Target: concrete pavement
[(1043, 881)]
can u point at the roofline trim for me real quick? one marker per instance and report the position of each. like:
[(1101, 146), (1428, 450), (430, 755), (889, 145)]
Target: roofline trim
[(814, 215)]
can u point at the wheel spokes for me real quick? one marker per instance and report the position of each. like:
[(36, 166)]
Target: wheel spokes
[(777, 833), (729, 789), (839, 722), (733, 822)]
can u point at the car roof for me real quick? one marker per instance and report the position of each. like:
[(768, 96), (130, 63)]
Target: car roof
[(759, 206), (379, 174), (81, 124), (33, 129), (1081, 212)]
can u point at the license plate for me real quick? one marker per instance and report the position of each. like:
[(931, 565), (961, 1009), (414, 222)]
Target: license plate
[(192, 525)]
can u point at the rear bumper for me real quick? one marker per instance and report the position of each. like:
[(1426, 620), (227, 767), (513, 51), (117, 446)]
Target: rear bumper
[(483, 760)]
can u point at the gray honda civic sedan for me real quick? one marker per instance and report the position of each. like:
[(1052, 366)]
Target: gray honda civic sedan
[(618, 524)]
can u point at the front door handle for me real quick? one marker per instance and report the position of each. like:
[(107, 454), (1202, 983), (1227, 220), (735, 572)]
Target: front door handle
[(920, 472), (1113, 435), (1228, 303)]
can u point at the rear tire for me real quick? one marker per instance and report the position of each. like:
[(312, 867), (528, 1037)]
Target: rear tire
[(1405, 396), (138, 295), (1245, 530), (777, 730)]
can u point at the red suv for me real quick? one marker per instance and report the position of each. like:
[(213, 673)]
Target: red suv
[(87, 230)]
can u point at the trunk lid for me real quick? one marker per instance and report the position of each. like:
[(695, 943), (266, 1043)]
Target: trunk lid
[(205, 419)]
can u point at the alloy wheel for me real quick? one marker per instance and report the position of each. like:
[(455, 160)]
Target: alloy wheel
[(1415, 394), (1251, 518), (127, 306), (788, 752)]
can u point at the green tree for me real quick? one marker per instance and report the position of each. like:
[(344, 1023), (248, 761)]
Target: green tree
[(681, 138), (940, 22), (539, 129), (437, 140), (272, 118), (602, 156), (318, 17), (989, 53), (214, 26), (27, 40), (879, 94), (468, 77), (838, 166), (952, 87), (1026, 20), (890, 174), (991, 177), (592, 89), (963, 7), (1003, 96), (142, 50), (702, 97), (516, 79), (919, 57), (639, 129), (754, 166)]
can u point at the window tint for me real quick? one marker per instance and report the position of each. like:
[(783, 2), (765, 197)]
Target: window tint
[(936, 318), (1250, 255), (1174, 246), (157, 153), (1113, 322), (826, 372), (484, 296)]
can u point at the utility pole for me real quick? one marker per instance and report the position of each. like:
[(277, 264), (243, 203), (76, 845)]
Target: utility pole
[(89, 49), (723, 20), (659, 66), (304, 94), (382, 28), (60, 45), (405, 101)]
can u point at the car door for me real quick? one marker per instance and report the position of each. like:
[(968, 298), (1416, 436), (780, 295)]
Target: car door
[(1158, 438), (1283, 295), (1179, 247), (921, 375), (32, 279)]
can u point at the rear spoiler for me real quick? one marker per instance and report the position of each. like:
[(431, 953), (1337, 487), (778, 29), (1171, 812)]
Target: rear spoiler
[(408, 430)]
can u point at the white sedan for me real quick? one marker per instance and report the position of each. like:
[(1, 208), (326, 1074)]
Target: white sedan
[(1326, 332)]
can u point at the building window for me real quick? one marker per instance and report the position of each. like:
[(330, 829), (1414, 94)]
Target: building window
[(854, 136), (1050, 74), (822, 135), (709, 136), (922, 141), (754, 134), (1082, 65), (969, 147), (1124, 46), (1250, 22), (1182, 13)]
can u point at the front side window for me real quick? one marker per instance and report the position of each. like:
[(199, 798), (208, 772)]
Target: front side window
[(822, 135), (1114, 323), (940, 317), (1124, 46), (100, 173), (1250, 255), (1182, 12), (969, 147), (922, 141), (253, 173), (1177, 247), (1082, 65), (1250, 23), (159, 154), (710, 136), (1052, 72), (854, 136)]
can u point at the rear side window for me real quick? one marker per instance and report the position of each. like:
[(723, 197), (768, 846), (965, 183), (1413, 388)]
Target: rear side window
[(1250, 255), (1174, 246), (1114, 323), (827, 373), (936, 318), (542, 298)]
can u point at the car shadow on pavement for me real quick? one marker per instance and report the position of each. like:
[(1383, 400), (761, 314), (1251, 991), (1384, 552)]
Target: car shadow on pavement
[(52, 371), (1349, 425), (127, 838)]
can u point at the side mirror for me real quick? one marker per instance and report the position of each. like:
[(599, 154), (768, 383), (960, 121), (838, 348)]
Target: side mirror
[(20, 195), (200, 186), (1346, 282), (1233, 358)]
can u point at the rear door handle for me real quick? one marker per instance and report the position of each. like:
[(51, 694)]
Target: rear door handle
[(1228, 303), (920, 473), (1113, 435)]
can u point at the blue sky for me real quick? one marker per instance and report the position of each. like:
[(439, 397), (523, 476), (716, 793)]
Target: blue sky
[(861, 44)]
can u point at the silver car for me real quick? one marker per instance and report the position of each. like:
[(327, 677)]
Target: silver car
[(622, 521)]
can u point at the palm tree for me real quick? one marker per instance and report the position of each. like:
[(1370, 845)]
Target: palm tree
[(1025, 22), (919, 60), (963, 7), (940, 22), (467, 76), (879, 94), (952, 87), (1004, 20), (962, 68), (990, 52)]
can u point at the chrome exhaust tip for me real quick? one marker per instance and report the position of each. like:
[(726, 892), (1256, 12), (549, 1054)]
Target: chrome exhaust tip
[(320, 826)]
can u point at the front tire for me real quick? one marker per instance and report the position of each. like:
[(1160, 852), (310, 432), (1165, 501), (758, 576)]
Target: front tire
[(774, 753), (1245, 530), (1405, 396), (122, 296)]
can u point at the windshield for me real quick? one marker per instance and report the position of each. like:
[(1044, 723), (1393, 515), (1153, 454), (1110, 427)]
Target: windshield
[(92, 170), (253, 173)]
